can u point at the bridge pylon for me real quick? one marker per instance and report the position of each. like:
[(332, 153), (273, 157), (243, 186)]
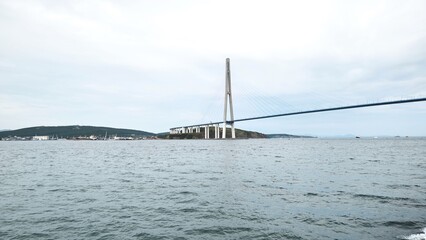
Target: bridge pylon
[(228, 97)]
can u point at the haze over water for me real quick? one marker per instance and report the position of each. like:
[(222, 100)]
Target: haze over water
[(233, 189)]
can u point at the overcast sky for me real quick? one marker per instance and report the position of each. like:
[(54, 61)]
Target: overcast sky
[(152, 65)]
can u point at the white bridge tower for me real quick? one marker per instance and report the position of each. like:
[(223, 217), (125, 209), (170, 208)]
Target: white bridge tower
[(228, 96)]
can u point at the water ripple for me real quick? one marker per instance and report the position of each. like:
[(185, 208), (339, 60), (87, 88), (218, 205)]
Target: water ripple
[(251, 189)]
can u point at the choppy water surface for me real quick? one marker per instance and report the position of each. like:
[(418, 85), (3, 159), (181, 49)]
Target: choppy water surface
[(242, 189)]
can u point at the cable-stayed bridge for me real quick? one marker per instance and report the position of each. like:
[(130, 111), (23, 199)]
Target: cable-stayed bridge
[(220, 127)]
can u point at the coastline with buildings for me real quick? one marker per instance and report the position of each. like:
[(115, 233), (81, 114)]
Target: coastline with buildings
[(74, 132), (88, 138), (91, 133)]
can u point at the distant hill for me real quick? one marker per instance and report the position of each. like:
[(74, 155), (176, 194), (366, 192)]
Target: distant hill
[(73, 131), (283, 135)]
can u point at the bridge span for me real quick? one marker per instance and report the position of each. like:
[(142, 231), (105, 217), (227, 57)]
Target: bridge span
[(218, 129)]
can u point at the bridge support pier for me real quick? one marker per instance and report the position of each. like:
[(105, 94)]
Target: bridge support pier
[(207, 132), (216, 131), (232, 130)]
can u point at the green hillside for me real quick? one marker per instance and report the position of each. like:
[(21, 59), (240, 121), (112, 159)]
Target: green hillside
[(73, 131)]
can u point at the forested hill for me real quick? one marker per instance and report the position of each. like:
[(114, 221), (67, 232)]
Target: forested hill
[(73, 131)]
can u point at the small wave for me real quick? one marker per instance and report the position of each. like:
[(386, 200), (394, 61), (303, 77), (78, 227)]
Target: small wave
[(402, 186), (418, 236), (322, 222), (217, 230), (58, 190), (187, 201), (277, 235), (374, 160), (144, 235), (188, 193), (188, 210), (401, 224), (310, 194), (378, 197), (40, 235), (86, 200)]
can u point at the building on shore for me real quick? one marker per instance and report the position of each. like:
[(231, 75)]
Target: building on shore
[(39, 138)]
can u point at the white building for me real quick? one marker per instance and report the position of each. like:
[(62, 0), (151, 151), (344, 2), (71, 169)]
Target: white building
[(41, 138)]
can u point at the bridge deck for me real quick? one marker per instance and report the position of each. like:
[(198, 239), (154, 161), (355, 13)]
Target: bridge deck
[(312, 111)]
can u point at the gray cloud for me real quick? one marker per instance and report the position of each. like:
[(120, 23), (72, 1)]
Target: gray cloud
[(152, 66)]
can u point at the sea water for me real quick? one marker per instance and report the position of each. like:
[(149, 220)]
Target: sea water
[(214, 189)]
